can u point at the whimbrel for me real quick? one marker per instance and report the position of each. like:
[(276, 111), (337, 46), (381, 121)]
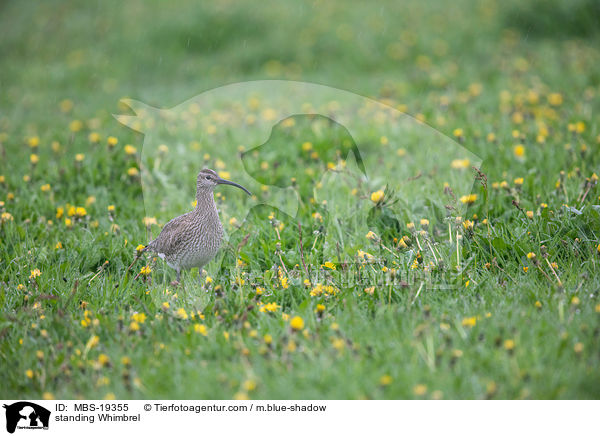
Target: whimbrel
[(193, 239)]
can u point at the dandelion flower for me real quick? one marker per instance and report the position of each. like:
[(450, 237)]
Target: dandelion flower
[(377, 196), (458, 164), (385, 380), (420, 389), (468, 199), (519, 150), (555, 99), (112, 141), (297, 323), (33, 141)]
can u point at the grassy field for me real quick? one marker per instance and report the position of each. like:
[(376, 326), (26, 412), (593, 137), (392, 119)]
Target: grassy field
[(485, 290)]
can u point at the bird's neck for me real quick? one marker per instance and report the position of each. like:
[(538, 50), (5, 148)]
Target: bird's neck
[(205, 203)]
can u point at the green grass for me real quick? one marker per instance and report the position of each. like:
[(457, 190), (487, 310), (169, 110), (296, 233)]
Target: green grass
[(505, 329)]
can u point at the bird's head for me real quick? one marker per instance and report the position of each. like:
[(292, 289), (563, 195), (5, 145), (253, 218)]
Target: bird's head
[(209, 179)]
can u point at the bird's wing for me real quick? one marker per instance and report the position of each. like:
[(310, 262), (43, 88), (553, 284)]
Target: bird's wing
[(170, 237)]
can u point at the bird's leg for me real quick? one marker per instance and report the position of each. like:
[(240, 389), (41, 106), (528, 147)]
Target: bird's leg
[(176, 282)]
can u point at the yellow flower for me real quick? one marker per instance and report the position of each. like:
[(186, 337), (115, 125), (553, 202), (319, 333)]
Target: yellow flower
[(370, 290), (134, 326), (458, 133), (469, 322), (530, 255), (555, 99), (385, 380), (103, 359), (132, 172), (92, 342), (329, 265), (371, 236), (149, 220), (529, 214), (519, 150), (271, 307), (125, 361), (111, 141), (139, 317), (80, 211), (420, 390), (181, 313), (578, 348), (575, 300), (45, 188), (538, 304), (75, 126), (377, 196), (509, 344), (166, 305), (29, 373), (79, 157), (33, 141), (241, 396), (307, 146), (320, 308), (47, 396), (146, 270), (297, 323), (58, 245), (111, 208), (468, 199), (35, 273), (518, 181), (130, 149), (363, 255), (460, 164), (200, 328), (94, 137), (34, 159)]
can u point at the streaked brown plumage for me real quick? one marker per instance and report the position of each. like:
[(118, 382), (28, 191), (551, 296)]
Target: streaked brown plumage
[(193, 239)]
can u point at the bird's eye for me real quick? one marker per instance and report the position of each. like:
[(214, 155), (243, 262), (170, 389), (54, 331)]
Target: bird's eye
[(207, 177)]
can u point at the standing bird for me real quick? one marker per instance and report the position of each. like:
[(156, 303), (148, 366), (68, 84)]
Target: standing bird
[(193, 239)]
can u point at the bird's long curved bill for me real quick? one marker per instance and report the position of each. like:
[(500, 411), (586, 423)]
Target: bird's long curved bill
[(227, 182)]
